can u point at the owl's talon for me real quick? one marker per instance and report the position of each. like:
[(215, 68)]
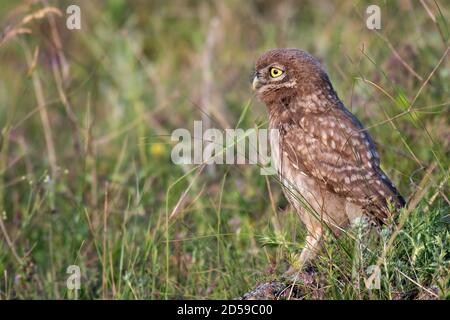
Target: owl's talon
[(304, 277), (292, 275)]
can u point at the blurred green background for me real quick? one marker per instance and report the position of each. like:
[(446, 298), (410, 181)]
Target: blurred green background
[(86, 116)]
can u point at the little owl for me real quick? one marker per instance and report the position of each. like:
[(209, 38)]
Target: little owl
[(326, 160)]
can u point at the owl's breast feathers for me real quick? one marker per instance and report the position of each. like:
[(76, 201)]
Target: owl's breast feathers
[(319, 137)]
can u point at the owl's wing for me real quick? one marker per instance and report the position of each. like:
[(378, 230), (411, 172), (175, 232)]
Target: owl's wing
[(337, 151)]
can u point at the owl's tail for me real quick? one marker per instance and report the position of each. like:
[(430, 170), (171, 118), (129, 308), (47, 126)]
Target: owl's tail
[(396, 197), (388, 193)]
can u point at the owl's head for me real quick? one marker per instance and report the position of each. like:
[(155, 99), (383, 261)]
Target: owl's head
[(287, 71)]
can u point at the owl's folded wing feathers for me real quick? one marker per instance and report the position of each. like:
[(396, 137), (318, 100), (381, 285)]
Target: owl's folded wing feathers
[(340, 155)]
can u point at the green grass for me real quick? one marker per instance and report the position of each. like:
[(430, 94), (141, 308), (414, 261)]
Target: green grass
[(85, 172)]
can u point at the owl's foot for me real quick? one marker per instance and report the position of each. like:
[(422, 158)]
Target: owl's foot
[(303, 276), (292, 275), (300, 263), (297, 264)]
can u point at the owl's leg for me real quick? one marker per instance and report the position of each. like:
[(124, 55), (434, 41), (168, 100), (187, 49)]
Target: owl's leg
[(312, 243)]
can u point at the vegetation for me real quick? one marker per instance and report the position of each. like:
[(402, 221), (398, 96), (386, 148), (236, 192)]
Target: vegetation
[(86, 176)]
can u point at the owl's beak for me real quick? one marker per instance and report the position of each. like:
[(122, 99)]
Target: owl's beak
[(256, 83)]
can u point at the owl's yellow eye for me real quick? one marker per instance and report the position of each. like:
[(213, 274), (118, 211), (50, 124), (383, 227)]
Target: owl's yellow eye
[(275, 72)]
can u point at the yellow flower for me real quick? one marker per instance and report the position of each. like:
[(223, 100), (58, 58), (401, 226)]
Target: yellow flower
[(157, 149)]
